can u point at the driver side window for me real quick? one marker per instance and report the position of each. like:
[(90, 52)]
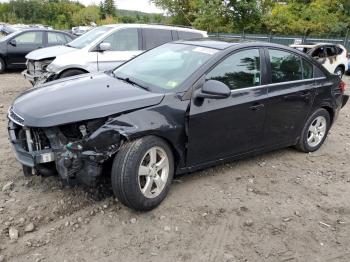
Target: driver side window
[(240, 70), (33, 38), (124, 40)]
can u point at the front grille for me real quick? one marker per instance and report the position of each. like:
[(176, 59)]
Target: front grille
[(15, 118)]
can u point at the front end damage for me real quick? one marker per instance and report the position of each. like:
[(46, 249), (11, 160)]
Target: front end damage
[(36, 72), (76, 152)]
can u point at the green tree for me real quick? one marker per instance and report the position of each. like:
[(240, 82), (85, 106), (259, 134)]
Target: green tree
[(109, 8), (86, 15), (181, 11), (211, 16)]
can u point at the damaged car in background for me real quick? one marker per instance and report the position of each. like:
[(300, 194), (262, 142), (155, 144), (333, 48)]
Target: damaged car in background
[(175, 109), (103, 48), (333, 57)]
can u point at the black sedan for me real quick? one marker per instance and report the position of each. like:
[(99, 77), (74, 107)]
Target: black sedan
[(177, 108), (14, 47)]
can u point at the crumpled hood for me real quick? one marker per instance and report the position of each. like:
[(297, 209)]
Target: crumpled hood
[(49, 52), (81, 98)]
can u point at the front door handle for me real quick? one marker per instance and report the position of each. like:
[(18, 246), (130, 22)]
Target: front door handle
[(257, 107)]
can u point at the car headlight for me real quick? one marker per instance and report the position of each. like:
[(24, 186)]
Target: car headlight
[(42, 64), (52, 68)]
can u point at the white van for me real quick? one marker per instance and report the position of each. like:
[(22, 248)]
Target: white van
[(101, 49)]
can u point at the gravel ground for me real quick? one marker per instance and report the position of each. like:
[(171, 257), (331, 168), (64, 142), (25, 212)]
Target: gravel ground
[(281, 206)]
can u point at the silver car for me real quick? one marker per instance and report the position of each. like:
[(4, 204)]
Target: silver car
[(101, 49)]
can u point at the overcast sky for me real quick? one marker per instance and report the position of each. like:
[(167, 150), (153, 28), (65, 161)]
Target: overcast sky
[(139, 5)]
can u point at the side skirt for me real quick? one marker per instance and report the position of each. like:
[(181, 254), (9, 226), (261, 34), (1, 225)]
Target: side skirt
[(192, 169)]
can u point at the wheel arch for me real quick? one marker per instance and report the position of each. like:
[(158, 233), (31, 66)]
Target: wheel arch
[(342, 66), (176, 152), (330, 112), (72, 68)]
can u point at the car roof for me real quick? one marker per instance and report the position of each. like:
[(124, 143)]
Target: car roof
[(216, 43), (311, 45), (157, 26), (40, 30), (225, 43)]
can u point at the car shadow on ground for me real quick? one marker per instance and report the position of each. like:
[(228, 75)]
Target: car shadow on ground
[(103, 190)]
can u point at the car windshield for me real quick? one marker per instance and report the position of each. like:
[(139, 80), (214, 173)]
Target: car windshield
[(165, 67), (88, 37)]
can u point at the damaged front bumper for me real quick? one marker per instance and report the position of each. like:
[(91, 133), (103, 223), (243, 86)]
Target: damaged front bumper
[(48, 148), (26, 157), (38, 78)]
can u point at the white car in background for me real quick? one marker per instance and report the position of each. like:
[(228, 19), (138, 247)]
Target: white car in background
[(101, 49), (332, 56)]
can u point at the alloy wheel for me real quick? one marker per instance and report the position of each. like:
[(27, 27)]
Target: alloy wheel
[(153, 172), (317, 131)]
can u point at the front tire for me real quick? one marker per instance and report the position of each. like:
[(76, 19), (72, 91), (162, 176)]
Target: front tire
[(27, 171), (142, 173), (315, 131), (2, 65)]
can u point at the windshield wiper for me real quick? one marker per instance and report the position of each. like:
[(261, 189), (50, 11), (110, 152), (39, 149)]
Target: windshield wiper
[(132, 82)]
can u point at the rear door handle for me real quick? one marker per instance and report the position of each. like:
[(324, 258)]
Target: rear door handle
[(257, 106)]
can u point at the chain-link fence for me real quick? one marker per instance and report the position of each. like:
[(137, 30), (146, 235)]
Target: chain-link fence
[(285, 40)]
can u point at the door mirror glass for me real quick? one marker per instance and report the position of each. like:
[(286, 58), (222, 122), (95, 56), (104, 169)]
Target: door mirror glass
[(104, 47), (214, 89), (13, 42)]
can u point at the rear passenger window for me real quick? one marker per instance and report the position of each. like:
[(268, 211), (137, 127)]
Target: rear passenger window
[(285, 66), (188, 35), (339, 50), (156, 37), (240, 70), (307, 70), (56, 38)]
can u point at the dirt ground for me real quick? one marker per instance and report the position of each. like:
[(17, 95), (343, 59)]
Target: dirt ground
[(281, 206)]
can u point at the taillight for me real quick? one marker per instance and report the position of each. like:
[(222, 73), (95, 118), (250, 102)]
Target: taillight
[(342, 86)]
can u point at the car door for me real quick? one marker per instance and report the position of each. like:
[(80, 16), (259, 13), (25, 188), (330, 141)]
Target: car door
[(125, 44), (19, 46), (290, 96), (219, 128)]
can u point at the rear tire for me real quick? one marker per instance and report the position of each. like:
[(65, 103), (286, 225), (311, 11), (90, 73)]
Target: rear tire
[(339, 71), (72, 72), (142, 173), (2, 65), (315, 131)]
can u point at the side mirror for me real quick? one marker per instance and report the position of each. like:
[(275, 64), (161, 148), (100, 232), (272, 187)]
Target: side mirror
[(104, 47), (213, 89), (13, 42)]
